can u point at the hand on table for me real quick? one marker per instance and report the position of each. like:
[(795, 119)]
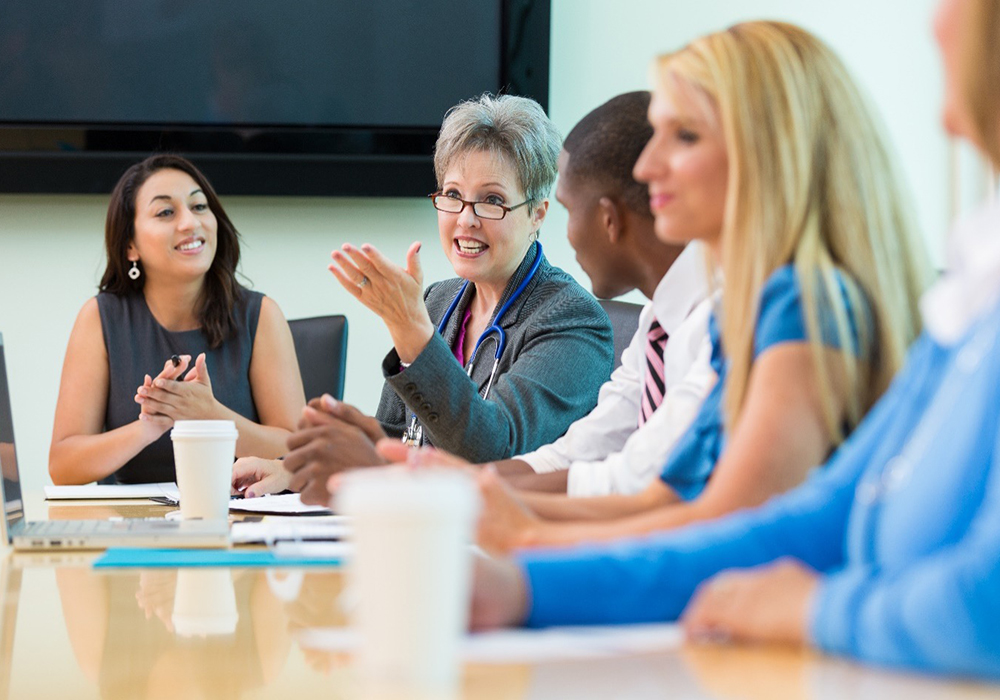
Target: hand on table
[(332, 437), (255, 476), (505, 522), (190, 398), (398, 452), (499, 594), (392, 292), (765, 604)]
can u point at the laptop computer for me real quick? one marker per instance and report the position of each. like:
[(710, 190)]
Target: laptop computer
[(23, 534)]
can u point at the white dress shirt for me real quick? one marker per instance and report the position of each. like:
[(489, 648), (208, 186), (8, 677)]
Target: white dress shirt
[(605, 451)]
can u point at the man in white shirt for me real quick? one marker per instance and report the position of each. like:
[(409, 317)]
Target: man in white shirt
[(611, 229)]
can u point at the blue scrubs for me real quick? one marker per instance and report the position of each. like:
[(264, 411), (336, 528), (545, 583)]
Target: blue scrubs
[(904, 524)]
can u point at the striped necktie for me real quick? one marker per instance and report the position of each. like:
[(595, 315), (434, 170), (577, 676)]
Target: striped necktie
[(652, 393)]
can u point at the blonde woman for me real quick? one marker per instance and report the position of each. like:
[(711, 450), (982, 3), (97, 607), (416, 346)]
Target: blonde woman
[(897, 540), (764, 150)]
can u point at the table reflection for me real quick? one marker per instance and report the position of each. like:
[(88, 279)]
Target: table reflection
[(72, 631), (190, 633), (10, 587)]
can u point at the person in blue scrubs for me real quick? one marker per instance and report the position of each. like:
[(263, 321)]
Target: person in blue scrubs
[(891, 554)]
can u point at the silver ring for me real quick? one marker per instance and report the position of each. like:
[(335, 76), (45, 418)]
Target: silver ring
[(363, 283)]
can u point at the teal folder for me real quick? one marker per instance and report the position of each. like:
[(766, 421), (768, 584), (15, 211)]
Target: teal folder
[(145, 558)]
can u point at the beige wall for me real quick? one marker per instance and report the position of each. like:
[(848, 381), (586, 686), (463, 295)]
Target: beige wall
[(50, 246)]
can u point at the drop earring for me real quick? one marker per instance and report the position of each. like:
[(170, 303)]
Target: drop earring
[(135, 272)]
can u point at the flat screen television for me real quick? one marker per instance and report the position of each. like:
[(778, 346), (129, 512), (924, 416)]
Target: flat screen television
[(268, 97)]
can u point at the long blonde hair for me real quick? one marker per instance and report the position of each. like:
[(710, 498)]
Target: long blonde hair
[(979, 75), (810, 184)]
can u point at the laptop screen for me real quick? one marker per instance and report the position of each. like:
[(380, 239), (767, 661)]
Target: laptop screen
[(12, 505)]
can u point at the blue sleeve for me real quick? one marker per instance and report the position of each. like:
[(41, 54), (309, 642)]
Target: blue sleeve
[(781, 318), (652, 579), (940, 614)]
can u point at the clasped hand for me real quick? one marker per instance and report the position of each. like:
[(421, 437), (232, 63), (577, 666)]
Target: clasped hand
[(165, 398), (332, 436)]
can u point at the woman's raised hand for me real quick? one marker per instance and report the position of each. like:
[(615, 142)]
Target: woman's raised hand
[(392, 292)]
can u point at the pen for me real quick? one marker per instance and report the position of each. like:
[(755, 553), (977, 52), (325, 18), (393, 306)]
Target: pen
[(176, 359)]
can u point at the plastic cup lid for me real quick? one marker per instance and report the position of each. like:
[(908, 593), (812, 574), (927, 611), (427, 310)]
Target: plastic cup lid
[(396, 491), (204, 428)]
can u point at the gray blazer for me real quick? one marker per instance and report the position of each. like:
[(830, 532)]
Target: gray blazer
[(559, 351)]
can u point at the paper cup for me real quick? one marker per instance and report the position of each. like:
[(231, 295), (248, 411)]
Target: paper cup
[(204, 451), (410, 573)]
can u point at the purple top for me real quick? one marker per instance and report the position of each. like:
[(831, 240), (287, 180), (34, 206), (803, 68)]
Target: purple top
[(459, 348)]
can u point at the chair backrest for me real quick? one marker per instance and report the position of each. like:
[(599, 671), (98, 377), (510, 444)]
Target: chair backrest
[(624, 317), (321, 346)]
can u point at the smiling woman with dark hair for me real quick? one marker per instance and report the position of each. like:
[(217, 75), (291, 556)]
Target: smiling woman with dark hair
[(169, 295)]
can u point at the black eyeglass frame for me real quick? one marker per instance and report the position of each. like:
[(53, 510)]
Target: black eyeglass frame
[(506, 210)]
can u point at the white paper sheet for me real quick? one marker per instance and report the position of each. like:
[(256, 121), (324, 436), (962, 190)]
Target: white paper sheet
[(166, 489), (285, 504), (274, 529), (531, 646)]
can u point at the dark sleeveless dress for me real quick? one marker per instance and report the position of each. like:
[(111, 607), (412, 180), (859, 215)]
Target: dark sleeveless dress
[(138, 345)]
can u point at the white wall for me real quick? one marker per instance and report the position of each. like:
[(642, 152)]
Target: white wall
[(50, 246)]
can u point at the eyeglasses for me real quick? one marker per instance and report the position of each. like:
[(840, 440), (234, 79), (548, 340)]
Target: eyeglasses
[(484, 210)]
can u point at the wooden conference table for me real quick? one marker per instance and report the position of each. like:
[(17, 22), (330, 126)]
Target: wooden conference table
[(69, 631)]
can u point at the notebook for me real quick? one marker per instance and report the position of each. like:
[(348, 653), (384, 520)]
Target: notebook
[(23, 534)]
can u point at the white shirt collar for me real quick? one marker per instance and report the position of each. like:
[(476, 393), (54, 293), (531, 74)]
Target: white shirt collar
[(683, 287), (971, 284)]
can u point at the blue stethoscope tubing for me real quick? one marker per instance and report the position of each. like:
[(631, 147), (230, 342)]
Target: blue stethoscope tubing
[(414, 434), (501, 342)]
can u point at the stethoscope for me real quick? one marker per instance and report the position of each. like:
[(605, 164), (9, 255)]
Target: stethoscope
[(414, 433)]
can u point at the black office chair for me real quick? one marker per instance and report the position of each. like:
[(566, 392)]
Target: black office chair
[(624, 317), (321, 346)]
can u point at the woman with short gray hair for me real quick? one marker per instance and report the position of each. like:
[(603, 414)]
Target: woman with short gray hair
[(513, 129), (493, 363)]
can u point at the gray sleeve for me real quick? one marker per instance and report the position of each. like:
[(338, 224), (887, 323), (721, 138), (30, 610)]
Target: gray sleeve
[(563, 356), (391, 412)]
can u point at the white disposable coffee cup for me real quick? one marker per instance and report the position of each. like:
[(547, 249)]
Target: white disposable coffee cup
[(204, 603), (410, 573), (204, 451)]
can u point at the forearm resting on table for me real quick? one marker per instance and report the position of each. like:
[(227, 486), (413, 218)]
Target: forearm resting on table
[(520, 475), (560, 507), (658, 519), (81, 459)]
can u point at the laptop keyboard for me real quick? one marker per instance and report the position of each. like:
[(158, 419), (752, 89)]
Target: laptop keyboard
[(43, 528)]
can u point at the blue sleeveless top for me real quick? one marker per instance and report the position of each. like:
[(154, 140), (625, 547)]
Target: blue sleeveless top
[(138, 345)]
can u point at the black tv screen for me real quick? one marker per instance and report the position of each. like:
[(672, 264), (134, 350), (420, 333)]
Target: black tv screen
[(314, 97)]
